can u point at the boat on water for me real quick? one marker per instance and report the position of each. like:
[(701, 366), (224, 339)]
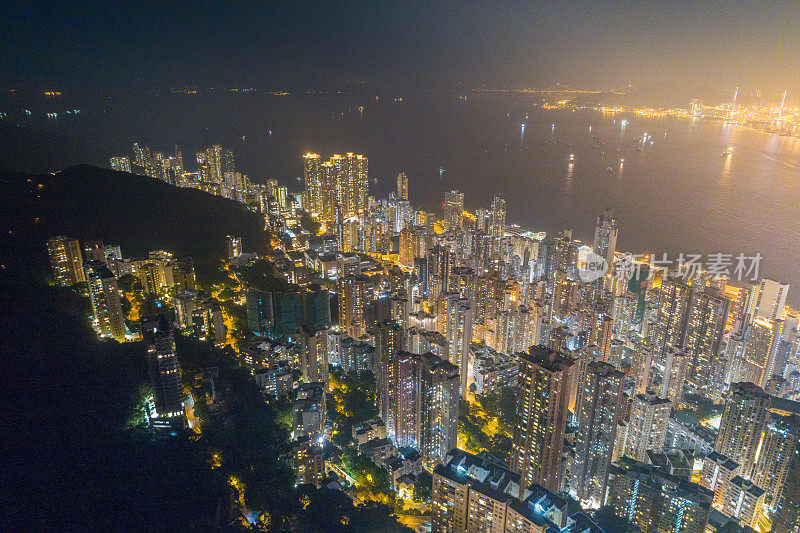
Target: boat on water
[(571, 158), (728, 152)]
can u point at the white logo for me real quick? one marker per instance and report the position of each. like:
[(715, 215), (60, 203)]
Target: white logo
[(594, 268)]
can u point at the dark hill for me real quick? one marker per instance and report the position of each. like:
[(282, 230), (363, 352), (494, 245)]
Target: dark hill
[(138, 213)]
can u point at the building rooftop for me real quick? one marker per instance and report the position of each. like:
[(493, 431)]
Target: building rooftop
[(723, 460)]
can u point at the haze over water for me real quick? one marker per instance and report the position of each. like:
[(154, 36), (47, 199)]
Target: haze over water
[(678, 194)]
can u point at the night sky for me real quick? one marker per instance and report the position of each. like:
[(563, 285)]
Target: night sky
[(669, 48)]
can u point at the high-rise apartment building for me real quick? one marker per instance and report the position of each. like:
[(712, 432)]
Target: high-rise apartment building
[(388, 342), (107, 314), (641, 365), (402, 186), (312, 200), (605, 236), (165, 378), (718, 470), (459, 334), (352, 183), (674, 302), (439, 394), (341, 182), (655, 500), (743, 420), (498, 224), (779, 453), (454, 210), (66, 260), (744, 501), (755, 362), (600, 411), (404, 395), (675, 372), (542, 412), (314, 354), (210, 164), (705, 326), (478, 493), (352, 292), (120, 163), (768, 300), (412, 246), (788, 516), (647, 427)]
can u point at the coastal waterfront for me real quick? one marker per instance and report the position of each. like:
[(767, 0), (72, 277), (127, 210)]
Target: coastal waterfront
[(676, 194)]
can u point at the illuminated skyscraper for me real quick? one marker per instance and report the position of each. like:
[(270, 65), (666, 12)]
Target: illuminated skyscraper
[(641, 364), (566, 294), (402, 186), (405, 397), (459, 334), (312, 201), (768, 300), (209, 164), (675, 370), (352, 183), (352, 291), (437, 420), (498, 224), (341, 181), (314, 354), (141, 155), (412, 244), (600, 409), (743, 420), (453, 210), (605, 236), (779, 454), (542, 412), (121, 163), (227, 163), (106, 306), (744, 501), (671, 313), (756, 362), (388, 342), (66, 260), (440, 260), (705, 325), (165, 378)]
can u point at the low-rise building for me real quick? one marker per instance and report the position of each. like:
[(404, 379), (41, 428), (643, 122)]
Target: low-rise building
[(377, 449), (307, 460), (368, 430), (309, 413), (276, 379)]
